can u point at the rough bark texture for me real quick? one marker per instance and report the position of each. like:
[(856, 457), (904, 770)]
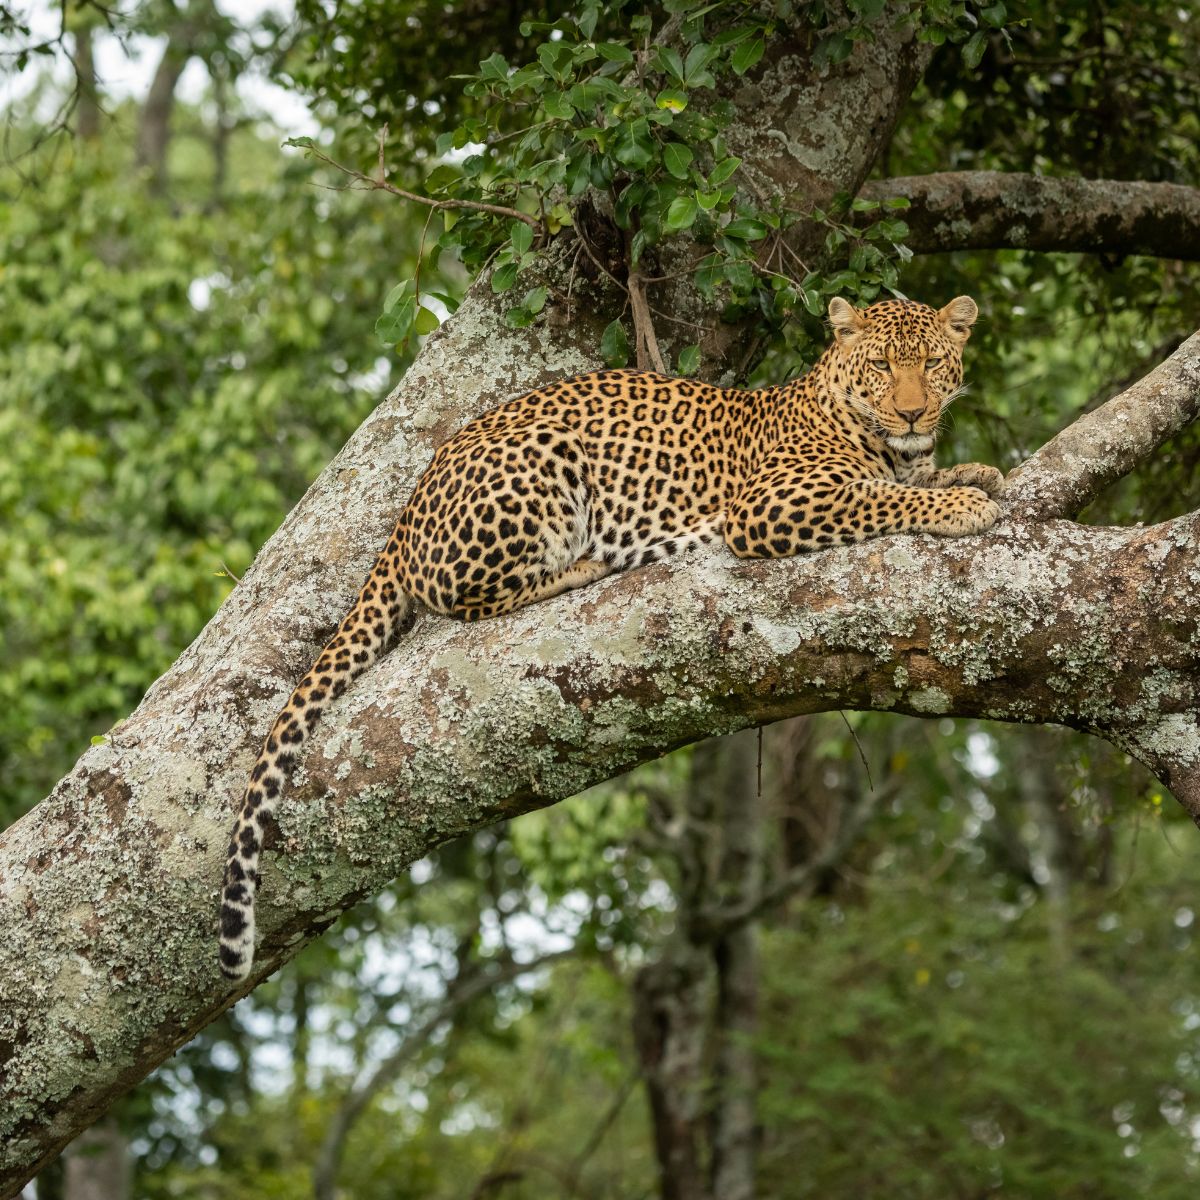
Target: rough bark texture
[(992, 210), (108, 888), (807, 135)]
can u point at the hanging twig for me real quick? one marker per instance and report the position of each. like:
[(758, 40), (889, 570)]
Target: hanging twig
[(380, 183)]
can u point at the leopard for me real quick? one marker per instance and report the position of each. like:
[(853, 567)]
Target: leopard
[(617, 469)]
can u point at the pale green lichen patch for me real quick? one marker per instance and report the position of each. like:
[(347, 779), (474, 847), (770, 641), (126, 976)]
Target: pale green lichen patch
[(1174, 738), (929, 700)]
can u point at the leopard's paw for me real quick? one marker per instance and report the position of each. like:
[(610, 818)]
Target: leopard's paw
[(978, 475), (966, 510)]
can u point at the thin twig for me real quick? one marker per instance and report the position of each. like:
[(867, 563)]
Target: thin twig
[(370, 183), (420, 256), (645, 339), (598, 264), (861, 753), (680, 320)]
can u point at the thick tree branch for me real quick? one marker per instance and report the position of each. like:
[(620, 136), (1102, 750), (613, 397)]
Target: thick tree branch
[(1070, 471), (108, 888), (993, 210)]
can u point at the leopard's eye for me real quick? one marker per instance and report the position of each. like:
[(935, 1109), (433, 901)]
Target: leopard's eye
[(881, 364), (930, 363)]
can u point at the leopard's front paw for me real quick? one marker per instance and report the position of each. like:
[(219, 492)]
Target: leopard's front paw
[(966, 510), (978, 475)]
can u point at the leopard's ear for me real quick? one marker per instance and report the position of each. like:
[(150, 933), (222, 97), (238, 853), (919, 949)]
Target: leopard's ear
[(958, 316), (847, 322)]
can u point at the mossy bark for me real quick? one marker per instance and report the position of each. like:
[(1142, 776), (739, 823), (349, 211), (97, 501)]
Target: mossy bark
[(108, 888)]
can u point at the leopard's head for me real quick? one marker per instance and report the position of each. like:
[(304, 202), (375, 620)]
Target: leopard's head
[(900, 364)]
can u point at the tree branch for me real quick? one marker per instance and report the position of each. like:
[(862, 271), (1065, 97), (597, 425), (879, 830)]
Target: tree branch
[(379, 182), (108, 888), (1072, 469), (993, 210)]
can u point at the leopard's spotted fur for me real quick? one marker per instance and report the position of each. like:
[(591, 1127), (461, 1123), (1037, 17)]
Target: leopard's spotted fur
[(615, 469)]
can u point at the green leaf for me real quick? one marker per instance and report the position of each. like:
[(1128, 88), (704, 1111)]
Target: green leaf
[(504, 277), (672, 99), (868, 10), (836, 47), (995, 15), (395, 324), (451, 302), (557, 105), (397, 294), (731, 37), (896, 202), (614, 345), (426, 321), (495, 66), (813, 301), (440, 178), (99, 740), (555, 58), (634, 146), (522, 236), (861, 204), (708, 200), (723, 170), (746, 55), (740, 276), (972, 51), (746, 228), (695, 72), (689, 360), (304, 143), (557, 217), (667, 59), (682, 213), (518, 317), (535, 300), (677, 158), (894, 229), (614, 52), (527, 76)]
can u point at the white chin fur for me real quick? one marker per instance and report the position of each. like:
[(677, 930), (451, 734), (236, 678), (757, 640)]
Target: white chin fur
[(911, 443)]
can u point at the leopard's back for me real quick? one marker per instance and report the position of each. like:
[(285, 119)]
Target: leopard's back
[(614, 467)]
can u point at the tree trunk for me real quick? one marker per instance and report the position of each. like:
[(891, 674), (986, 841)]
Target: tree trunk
[(734, 1120), (97, 1164), (154, 123), (108, 888), (87, 108), (670, 1022)]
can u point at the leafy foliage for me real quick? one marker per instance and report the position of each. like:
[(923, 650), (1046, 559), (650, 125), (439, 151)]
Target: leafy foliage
[(643, 123), (173, 380)]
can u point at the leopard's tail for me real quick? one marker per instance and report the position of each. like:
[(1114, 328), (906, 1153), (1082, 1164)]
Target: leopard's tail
[(364, 634)]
